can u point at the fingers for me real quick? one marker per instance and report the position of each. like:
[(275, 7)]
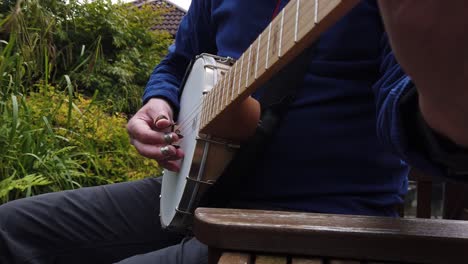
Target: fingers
[(151, 132), (139, 130), (172, 165), (162, 123), (158, 152), (160, 114), (155, 145), (167, 156), (170, 137)]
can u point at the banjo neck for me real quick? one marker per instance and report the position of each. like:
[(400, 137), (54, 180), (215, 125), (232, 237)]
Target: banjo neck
[(211, 119), (294, 29)]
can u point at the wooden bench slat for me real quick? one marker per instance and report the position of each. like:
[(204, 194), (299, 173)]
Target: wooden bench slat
[(307, 261), (333, 261), (243, 258), (234, 258), (334, 236), (264, 259)]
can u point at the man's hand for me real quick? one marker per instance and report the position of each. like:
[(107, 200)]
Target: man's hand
[(430, 41), (150, 133)]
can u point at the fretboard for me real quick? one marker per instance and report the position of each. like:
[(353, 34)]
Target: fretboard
[(294, 29)]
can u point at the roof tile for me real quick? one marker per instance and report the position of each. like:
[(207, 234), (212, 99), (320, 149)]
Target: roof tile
[(171, 20)]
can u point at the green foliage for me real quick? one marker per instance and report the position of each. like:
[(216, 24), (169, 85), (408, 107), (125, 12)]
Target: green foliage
[(68, 74), (103, 47), (126, 49), (14, 188), (32, 153), (52, 143), (30, 31)]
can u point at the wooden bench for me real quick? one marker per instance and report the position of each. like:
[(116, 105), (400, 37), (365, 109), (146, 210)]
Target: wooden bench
[(272, 237)]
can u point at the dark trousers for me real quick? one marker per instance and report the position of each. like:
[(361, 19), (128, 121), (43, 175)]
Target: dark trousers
[(104, 224)]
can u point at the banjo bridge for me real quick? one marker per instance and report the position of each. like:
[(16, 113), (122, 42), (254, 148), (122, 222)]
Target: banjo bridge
[(208, 182), (227, 144)]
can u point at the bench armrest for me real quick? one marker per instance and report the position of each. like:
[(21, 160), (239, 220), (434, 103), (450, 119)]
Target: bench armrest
[(338, 236)]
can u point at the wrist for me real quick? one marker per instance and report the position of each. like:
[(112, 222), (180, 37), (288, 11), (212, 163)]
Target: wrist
[(433, 146), (446, 116), (162, 102)]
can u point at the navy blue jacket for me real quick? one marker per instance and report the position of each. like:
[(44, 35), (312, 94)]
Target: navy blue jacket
[(350, 145)]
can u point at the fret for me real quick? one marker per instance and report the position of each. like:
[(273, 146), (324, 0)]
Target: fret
[(308, 9), (232, 76), (222, 91), (287, 38), (206, 106), (268, 47), (226, 89), (262, 53), (253, 56), (325, 6), (220, 97), (204, 116), (212, 102), (202, 112), (211, 105), (281, 35), (259, 40), (234, 81), (274, 40), (240, 76), (215, 100), (296, 25), (248, 68), (219, 94), (316, 8)]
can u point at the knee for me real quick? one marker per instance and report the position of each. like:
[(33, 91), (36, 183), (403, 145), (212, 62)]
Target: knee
[(6, 212), (10, 215), (21, 215), (19, 220), (8, 227)]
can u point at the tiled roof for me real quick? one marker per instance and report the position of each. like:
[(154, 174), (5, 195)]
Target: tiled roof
[(171, 20)]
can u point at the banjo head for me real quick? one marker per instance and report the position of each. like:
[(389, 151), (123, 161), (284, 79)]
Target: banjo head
[(177, 194)]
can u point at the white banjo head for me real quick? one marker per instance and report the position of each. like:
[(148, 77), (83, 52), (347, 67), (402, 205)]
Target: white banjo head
[(200, 79)]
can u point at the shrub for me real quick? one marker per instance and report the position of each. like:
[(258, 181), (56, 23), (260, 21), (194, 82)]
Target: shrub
[(123, 48), (52, 143), (53, 137), (104, 47)]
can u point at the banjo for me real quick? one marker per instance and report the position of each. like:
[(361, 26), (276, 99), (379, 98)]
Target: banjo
[(216, 90)]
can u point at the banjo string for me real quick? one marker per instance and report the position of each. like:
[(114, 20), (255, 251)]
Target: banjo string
[(191, 115)]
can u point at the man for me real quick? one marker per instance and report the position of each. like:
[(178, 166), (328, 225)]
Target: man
[(339, 148)]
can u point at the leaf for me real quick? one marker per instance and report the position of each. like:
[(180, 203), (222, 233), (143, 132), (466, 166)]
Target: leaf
[(14, 121), (70, 100)]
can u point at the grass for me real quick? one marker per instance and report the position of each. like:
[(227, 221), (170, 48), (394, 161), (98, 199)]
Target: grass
[(54, 134)]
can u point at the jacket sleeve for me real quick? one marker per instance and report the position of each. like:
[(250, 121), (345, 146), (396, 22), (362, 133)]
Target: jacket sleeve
[(194, 36), (397, 125)]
